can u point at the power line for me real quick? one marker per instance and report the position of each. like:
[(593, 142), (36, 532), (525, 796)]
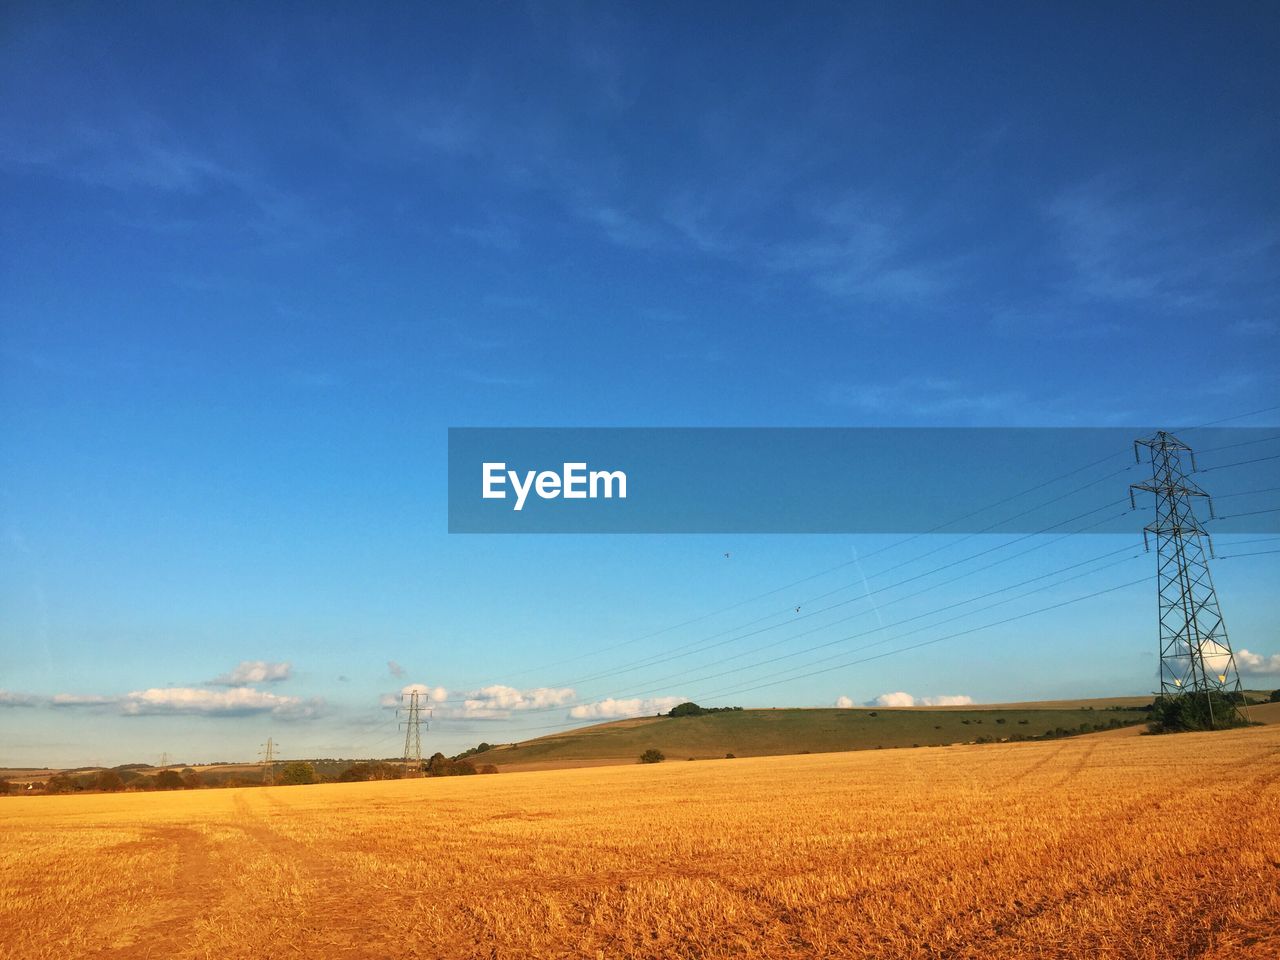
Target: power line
[(1251, 513), (1241, 543), (1242, 443), (991, 506), (678, 650), (906, 620), (1239, 463), (668, 656), (1255, 553), (950, 636), (889, 653), (662, 680), (1238, 416), (1244, 493)]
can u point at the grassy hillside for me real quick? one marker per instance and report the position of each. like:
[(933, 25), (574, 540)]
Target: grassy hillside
[(749, 733)]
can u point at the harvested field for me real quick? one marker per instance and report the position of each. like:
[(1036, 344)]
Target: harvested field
[(1091, 847)]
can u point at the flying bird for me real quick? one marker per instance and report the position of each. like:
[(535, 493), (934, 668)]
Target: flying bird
[(726, 556)]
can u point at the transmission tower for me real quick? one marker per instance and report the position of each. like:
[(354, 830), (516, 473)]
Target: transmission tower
[(269, 754), (413, 730), (1195, 654), (164, 759)]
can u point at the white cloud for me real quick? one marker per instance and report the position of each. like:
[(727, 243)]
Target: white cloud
[(499, 697), (234, 702), (498, 701), (200, 701), (494, 702), (844, 703), (425, 693), (10, 699), (898, 699), (253, 671), (901, 699), (615, 709), (958, 700), (1257, 663)]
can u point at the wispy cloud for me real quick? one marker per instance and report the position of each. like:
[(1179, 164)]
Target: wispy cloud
[(1124, 242), (9, 698), (922, 397), (158, 173), (1254, 328)]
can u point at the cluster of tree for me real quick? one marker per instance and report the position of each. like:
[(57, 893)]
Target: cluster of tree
[(441, 766), (652, 756), (1058, 733), (473, 751), (373, 770), (691, 709), (296, 773), (1187, 712)]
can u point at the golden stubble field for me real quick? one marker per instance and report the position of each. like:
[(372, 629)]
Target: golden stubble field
[(1106, 846)]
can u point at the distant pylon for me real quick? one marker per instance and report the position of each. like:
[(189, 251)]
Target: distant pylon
[(1195, 654), (164, 759), (413, 730), (268, 753)]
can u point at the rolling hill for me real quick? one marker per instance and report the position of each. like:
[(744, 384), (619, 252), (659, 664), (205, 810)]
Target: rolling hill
[(747, 733)]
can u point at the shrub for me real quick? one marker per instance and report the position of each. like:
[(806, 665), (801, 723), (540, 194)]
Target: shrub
[(730, 756), (1275, 696), (652, 756), (297, 772)]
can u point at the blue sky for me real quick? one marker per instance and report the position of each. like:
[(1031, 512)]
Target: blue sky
[(257, 261)]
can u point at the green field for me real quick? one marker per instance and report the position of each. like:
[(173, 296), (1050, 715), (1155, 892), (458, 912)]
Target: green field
[(749, 733)]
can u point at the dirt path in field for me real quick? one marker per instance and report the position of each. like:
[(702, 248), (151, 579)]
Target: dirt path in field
[(188, 885)]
